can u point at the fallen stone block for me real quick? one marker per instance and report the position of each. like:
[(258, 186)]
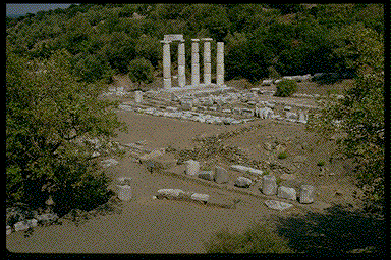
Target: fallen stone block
[(269, 185), (124, 192), (192, 167), (306, 194), (170, 193), (206, 175), (109, 162), (286, 193), (244, 169), (243, 182), (200, 197), (277, 205), (124, 181), (221, 175), (46, 218)]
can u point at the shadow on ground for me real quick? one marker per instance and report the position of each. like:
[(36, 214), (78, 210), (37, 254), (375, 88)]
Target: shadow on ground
[(338, 231)]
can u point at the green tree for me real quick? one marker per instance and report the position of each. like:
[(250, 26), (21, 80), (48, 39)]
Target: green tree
[(140, 71), (286, 88), (359, 116), (55, 126)]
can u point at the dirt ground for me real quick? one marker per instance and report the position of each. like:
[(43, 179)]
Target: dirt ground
[(148, 225)]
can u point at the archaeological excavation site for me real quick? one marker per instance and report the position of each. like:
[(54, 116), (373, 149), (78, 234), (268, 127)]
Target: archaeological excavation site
[(180, 153)]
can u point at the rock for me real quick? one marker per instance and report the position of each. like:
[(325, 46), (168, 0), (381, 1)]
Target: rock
[(8, 230), (192, 167), (169, 193), (25, 224), (243, 182), (287, 176), (286, 193), (200, 197), (47, 218), (124, 192), (249, 170), (206, 175), (109, 162), (277, 205), (268, 146), (306, 194), (269, 185), (124, 181), (221, 175)]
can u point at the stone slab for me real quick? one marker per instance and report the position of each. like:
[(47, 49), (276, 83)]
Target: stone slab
[(277, 205), (286, 193)]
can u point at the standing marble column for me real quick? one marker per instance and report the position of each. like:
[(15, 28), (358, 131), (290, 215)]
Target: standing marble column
[(220, 64), (166, 64), (207, 61), (181, 64), (195, 62)]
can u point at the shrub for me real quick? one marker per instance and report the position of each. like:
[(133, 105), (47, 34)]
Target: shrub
[(255, 239), (286, 88), (282, 155), (321, 163)]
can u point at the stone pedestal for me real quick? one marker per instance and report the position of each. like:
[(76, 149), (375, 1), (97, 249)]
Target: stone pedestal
[(124, 192), (306, 194), (207, 61), (220, 64), (166, 64), (192, 168), (269, 185), (181, 64), (138, 96), (195, 62)]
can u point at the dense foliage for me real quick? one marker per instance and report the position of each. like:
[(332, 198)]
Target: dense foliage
[(286, 88), (56, 126), (359, 115), (288, 39)]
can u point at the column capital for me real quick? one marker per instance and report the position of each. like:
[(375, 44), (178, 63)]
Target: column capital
[(206, 39), (165, 42), (195, 40)]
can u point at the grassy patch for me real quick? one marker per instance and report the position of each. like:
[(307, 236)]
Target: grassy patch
[(255, 239)]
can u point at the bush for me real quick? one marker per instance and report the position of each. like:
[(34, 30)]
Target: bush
[(282, 155), (286, 88), (255, 239)]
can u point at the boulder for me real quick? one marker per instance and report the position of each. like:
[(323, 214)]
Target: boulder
[(269, 185), (46, 218), (286, 193), (221, 175), (200, 197), (243, 182), (306, 194), (206, 175)]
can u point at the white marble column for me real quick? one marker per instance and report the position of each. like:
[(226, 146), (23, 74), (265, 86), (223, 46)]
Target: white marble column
[(166, 64), (195, 62), (181, 64), (207, 61), (220, 64)]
